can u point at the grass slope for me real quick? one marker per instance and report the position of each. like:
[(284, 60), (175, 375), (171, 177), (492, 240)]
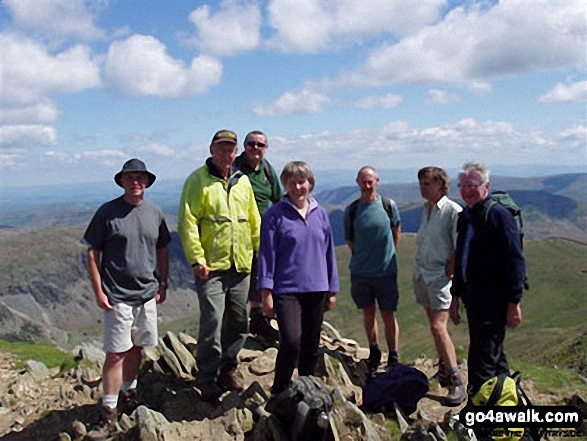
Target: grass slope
[(554, 309)]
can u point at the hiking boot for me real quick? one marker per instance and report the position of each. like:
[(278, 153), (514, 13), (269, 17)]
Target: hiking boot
[(456, 391), (441, 375), (374, 359), (209, 391), (128, 401), (229, 380), (261, 327), (392, 359), (106, 426)]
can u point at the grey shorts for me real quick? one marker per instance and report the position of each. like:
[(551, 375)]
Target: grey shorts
[(365, 290), (127, 326), (435, 292)]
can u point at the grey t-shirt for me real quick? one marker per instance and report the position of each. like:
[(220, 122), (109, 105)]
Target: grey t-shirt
[(128, 236)]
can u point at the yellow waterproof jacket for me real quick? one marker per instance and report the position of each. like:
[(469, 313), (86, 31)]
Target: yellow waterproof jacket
[(219, 222)]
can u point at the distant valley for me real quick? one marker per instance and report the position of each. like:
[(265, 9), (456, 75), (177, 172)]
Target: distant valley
[(45, 292)]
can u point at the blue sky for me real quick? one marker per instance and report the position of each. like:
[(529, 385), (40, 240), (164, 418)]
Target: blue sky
[(86, 85)]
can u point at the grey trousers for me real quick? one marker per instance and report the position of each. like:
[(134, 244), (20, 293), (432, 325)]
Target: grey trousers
[(224, 322)]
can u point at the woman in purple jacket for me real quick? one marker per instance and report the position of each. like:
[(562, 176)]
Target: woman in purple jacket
[(297, 273)]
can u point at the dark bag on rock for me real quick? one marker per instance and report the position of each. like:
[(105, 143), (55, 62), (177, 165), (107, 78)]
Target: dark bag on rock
[(399, 384), (303, 409)]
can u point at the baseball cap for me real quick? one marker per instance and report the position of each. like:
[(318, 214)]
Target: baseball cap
[(224, 136)]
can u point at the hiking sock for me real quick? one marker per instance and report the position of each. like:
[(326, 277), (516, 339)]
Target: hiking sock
[(110, 401)]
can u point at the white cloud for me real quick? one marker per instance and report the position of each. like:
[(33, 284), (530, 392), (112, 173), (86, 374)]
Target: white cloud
[(108, 157), (474, 45), (24, 135), (140, 65), (576, 92), (234, 28), (576, 133), (387, 101), (43, 112), (55, 18), (30, 72), (157, 149), (293, 103), (441, 97), (310, 26)]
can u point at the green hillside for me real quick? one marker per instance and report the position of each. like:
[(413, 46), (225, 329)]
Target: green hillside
[(554, 309)]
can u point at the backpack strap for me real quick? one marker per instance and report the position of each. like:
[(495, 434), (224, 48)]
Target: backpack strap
[(497, 390), (267, 168), (488, 205), (387, 207), (352, 214), (385, 201)]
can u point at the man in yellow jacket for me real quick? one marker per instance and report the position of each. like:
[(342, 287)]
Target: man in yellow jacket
[(219, 227)]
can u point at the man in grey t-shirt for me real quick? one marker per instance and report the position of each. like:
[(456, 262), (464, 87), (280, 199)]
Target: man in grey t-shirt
[(128, 264)]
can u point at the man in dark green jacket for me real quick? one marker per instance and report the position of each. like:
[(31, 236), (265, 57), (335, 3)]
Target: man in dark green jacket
[(267, 190)]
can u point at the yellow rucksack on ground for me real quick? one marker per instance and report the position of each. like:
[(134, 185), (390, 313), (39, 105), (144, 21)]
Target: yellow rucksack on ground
[(504, 390), (501, 390)]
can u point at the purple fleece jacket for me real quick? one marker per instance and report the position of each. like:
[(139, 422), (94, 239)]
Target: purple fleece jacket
[(296, 254)]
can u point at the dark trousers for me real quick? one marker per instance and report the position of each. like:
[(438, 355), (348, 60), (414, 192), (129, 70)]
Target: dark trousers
[(487, 326), (300, 318)]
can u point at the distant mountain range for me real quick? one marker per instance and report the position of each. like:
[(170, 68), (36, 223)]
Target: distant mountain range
[(553, 206)]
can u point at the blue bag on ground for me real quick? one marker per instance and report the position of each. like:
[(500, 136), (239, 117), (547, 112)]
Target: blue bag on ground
[(400, 384)]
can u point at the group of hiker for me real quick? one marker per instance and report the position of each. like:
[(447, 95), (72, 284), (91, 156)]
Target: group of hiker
[(257, 254)]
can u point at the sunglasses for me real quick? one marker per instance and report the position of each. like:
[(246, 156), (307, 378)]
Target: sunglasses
[(256, 144)]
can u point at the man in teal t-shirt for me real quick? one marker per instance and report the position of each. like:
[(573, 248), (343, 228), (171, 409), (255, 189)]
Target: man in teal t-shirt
[(372, 228)]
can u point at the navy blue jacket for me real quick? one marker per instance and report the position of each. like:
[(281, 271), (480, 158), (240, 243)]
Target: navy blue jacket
[(495, 267)]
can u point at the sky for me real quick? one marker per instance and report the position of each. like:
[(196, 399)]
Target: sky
[(87, 84)]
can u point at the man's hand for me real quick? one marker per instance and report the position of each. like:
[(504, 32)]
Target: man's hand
[(267, 303), (330, 301), (103, 301), (513, 315), (453, 310), (161, 293), (201, 271)]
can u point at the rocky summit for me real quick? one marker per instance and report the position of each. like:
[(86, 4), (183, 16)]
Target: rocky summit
[(42, 404)]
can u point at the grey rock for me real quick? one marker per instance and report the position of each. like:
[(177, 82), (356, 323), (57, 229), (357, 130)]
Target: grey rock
[(89, 351), (64, 436), (78, 430), (185, 357), (171, 361), (37, 370), (188, 341), (265, 364)]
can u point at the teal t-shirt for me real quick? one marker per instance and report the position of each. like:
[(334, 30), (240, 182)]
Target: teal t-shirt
[(373, 248)]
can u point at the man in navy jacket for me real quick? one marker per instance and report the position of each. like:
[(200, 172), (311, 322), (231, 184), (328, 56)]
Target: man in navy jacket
[(489, 275)]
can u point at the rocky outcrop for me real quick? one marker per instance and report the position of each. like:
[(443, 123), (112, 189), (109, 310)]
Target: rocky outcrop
[(47, 404)]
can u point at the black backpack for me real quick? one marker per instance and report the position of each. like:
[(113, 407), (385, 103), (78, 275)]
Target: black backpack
[(353, 213), (504, 199), (400, 384), (303, 409)]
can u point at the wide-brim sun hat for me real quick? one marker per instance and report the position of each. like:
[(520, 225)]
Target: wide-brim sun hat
[(134, 165)]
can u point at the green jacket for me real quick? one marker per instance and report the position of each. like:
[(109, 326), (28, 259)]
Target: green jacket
[(218, 222)]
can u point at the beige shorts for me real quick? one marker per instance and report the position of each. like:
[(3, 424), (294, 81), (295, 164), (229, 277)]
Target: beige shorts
[(434, 292), (127, 326)]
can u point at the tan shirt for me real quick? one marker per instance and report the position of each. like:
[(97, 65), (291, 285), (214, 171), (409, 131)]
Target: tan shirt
[(437, 238)]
